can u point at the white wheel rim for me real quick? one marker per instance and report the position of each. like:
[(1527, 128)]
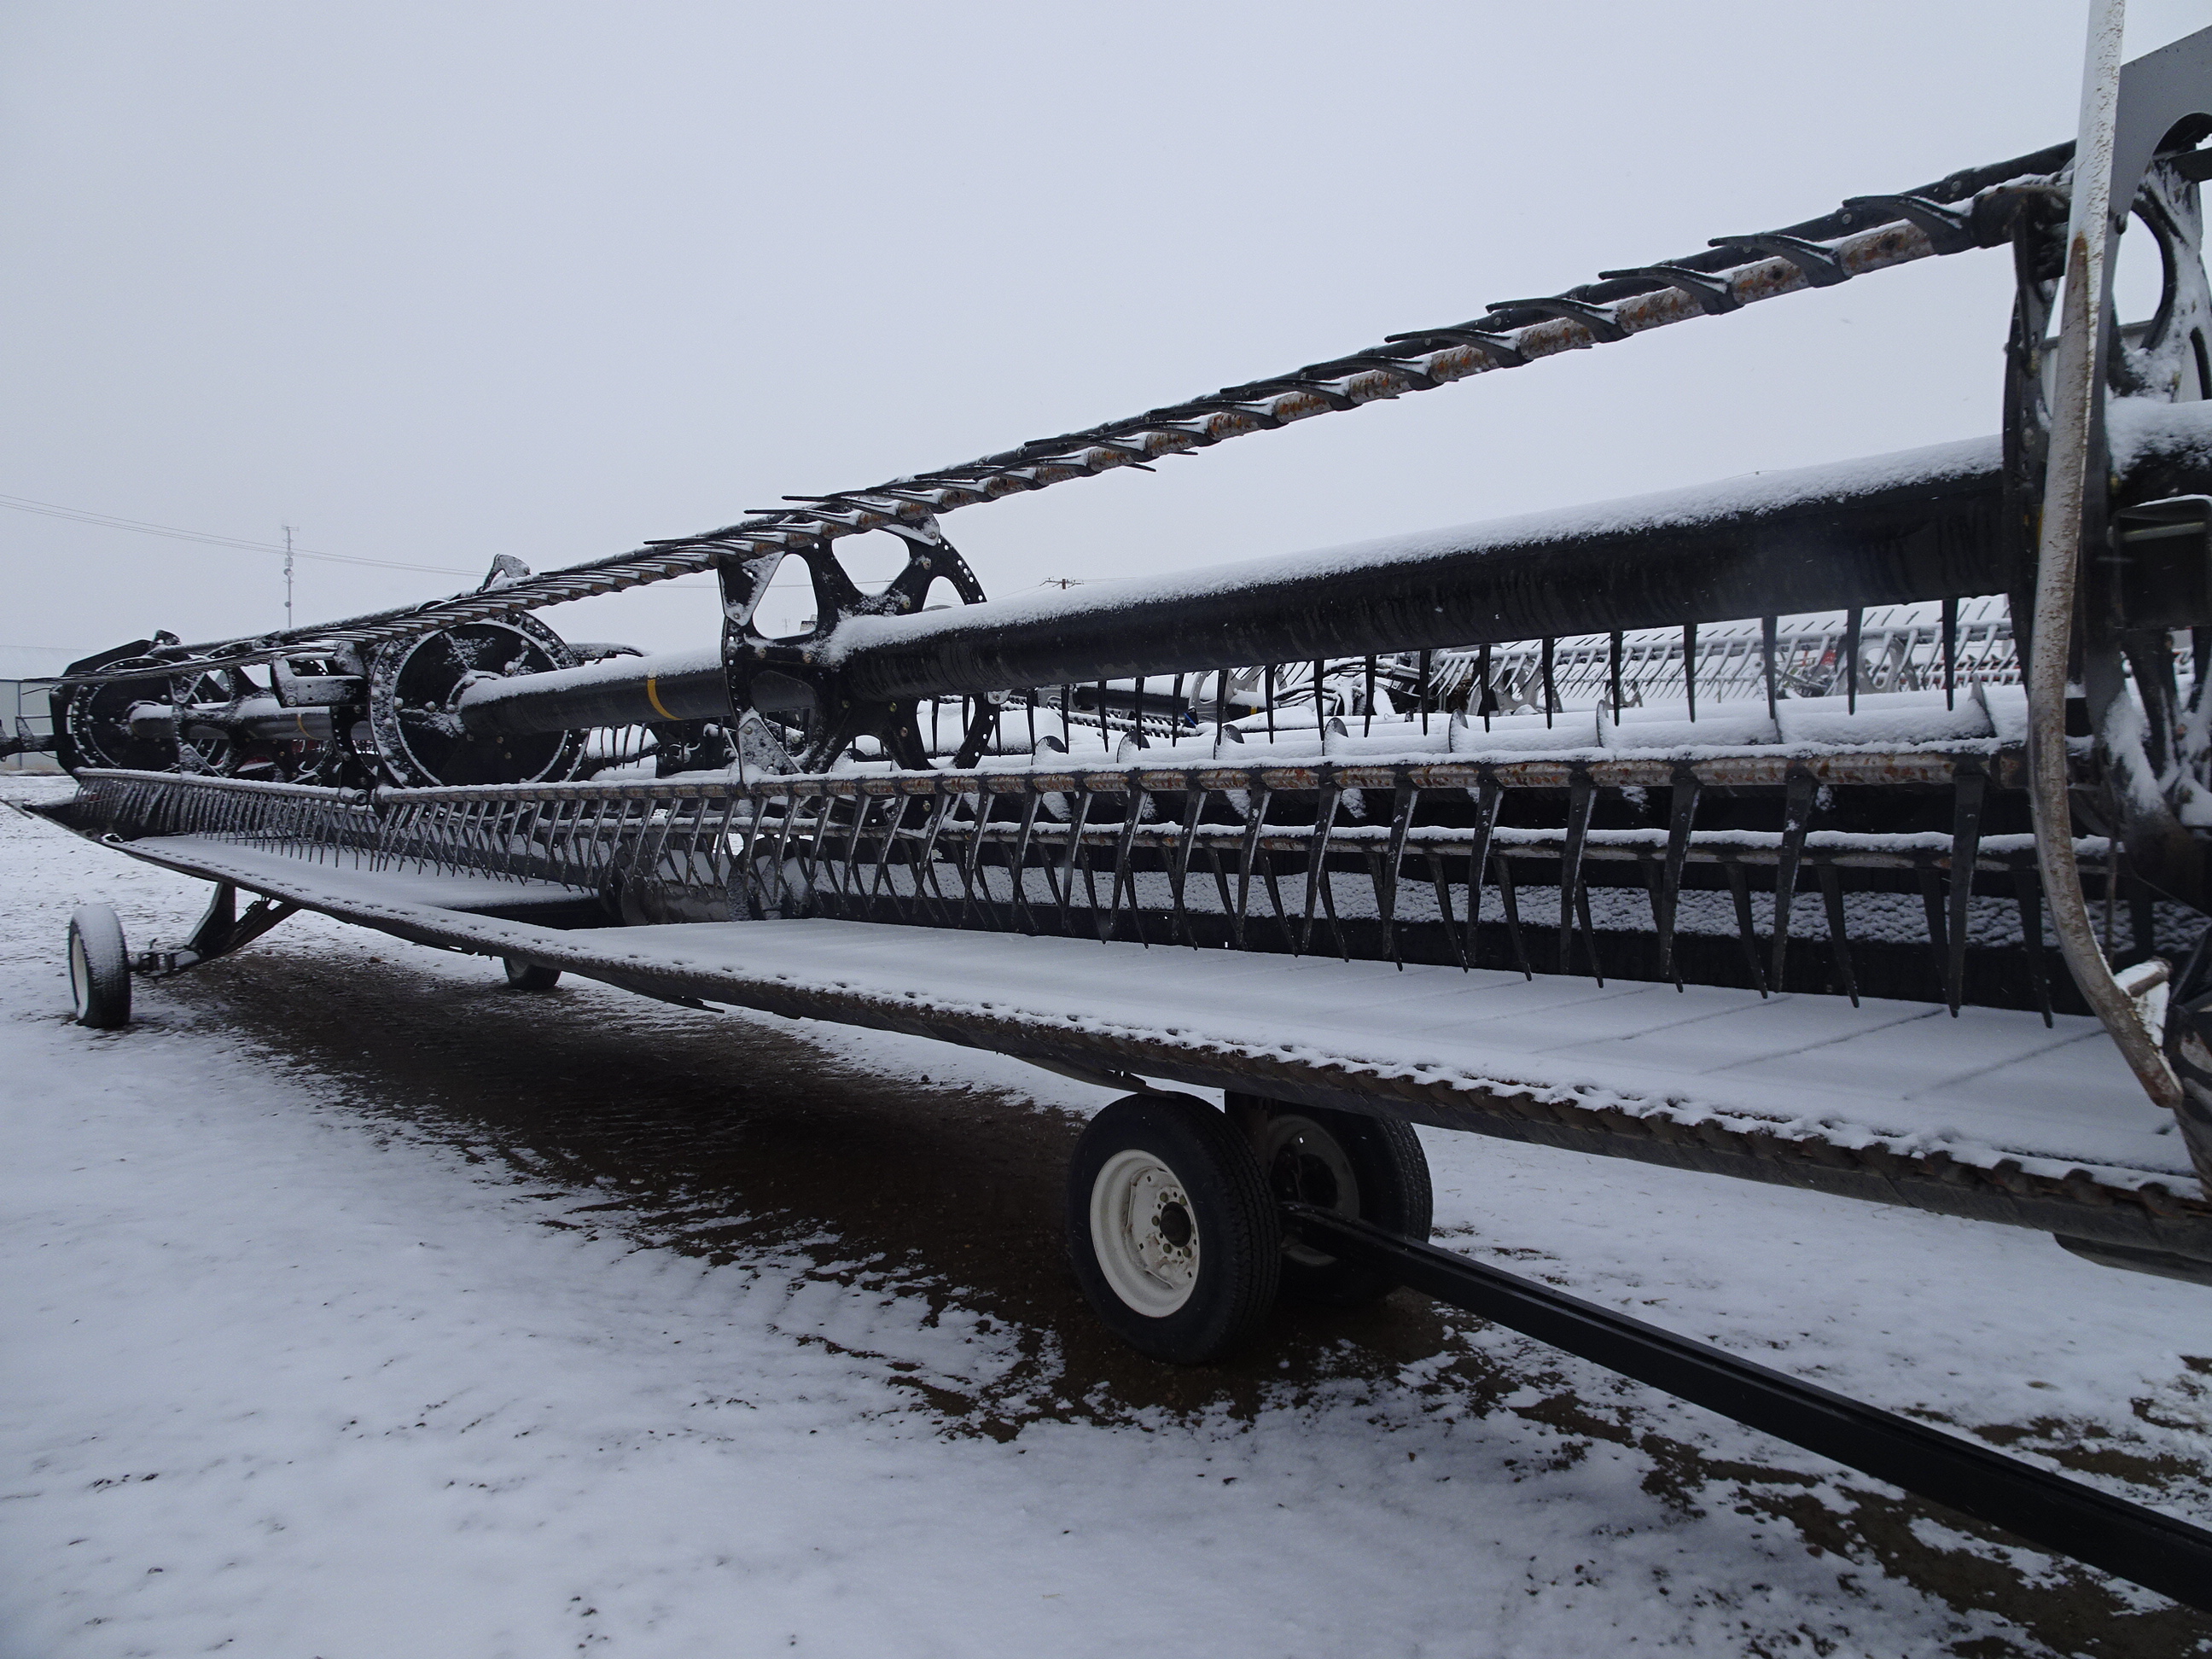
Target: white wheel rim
[(1145, 1233), (79, 975), (1289, 1136)]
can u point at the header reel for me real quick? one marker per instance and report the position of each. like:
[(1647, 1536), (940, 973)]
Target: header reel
[(320, 712), (1923, 827), (809, 710)]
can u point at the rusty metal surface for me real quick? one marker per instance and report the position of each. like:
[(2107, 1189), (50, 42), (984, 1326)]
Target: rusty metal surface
[(1767, 769)]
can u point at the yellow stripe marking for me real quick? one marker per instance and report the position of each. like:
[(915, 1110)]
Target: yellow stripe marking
[(653, 696)]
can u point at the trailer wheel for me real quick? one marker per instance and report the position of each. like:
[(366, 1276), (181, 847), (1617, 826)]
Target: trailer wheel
[(1170, 1228), (1370, 1167), (100, 969), (528, 975)]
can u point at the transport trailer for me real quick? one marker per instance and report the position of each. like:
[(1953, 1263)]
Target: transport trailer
[(1844, 829)]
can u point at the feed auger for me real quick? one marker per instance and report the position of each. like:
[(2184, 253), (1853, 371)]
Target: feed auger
[(1843, 828)]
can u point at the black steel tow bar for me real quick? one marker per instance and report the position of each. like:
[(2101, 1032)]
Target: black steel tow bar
[(2127, 1540)]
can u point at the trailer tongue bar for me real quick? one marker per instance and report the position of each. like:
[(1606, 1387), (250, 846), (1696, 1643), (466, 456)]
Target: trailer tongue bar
[(2128, 1540)]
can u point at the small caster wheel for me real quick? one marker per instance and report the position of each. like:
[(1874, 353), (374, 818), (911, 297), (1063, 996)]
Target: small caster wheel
[(529, 976), (1372, 1168), (100, 969), (1170, 1228)]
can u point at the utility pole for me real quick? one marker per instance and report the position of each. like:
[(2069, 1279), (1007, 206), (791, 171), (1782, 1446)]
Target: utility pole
[(287, 578)]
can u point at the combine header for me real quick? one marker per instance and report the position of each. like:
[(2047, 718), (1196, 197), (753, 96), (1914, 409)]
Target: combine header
[(1845, 829)]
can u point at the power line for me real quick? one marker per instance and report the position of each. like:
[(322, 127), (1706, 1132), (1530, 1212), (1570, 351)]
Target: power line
[(109, 521)]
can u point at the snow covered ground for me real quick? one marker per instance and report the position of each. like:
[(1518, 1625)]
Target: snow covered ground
[(356, 1305)]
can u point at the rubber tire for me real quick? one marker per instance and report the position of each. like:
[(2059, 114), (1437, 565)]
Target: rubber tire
[(1390, 1178), (100, 969), (529, 976), (1240, 1235)]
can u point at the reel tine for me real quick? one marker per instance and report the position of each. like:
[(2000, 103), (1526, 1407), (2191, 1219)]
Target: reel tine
[(826, 809), (895, 807), (1767, 630), (1489, 795), (782, 841), (1020, 862), (1267, 874), (1582, 796), (1373, 855), (1968, 787), (1509, 896), (1256, 810), (1317, 857), (1133, 814), (1367, 730), (971, 857), (683, 847), (1740, 887), (1328, 908), (1321, 712), (1690, 667), (1386, 869), (1853, 620), (1081, 816), (782, 829), (1589, 932), (1052, 882), (926, 887), (1221, 886), (1193, 808), (748, 877), (2028, 891), (1839, 938), (718, 859), (1090, 869), (1436, 861), (606, 833), (1950, 653), (1482, 670), (1796, 815), (1613, 672), (1931, 905), (1423, 693), (722, 861), (863, 804), (1687, 788), (1270, 694), (1551, 693)]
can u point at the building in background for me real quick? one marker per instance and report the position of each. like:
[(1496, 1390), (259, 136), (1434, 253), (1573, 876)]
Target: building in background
[(20, 700)]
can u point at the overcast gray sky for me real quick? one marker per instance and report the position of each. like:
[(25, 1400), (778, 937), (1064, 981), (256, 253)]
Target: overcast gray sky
[(433, 281)]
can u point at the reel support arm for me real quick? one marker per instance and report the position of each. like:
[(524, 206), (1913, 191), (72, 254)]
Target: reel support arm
[(2125, 116)]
